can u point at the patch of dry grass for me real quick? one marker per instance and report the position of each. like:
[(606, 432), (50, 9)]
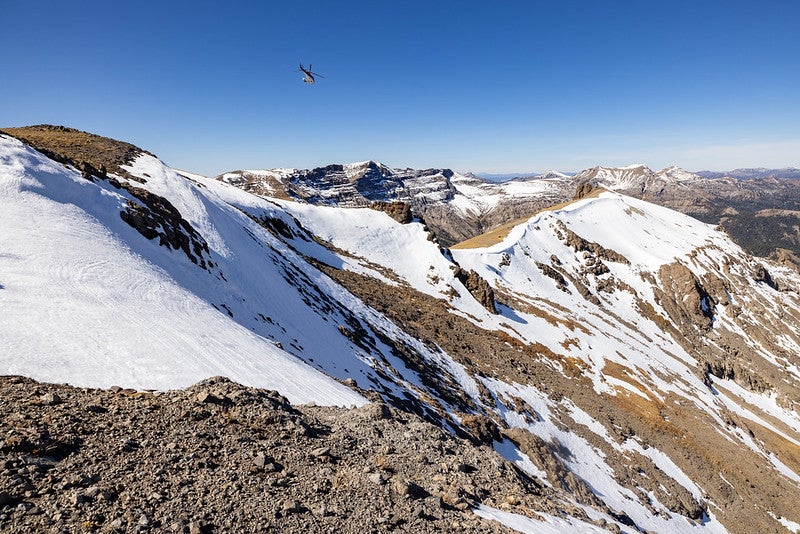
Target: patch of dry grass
[(71, 146)]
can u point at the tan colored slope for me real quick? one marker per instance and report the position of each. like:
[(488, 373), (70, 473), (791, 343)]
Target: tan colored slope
[(75, 147), (492, 237)]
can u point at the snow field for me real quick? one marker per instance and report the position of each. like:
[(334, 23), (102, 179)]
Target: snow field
[(81, 306)]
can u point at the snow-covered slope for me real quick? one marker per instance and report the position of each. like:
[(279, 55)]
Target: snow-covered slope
[(87, 300), (156, 280)]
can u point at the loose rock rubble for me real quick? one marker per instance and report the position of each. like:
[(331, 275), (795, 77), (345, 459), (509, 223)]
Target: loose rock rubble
[(221, 457)]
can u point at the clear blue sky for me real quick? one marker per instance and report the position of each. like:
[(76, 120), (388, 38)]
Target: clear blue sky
[(500, 86)]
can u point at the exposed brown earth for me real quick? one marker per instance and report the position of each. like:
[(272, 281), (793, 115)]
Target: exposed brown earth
[(87, 152), (497, 235)]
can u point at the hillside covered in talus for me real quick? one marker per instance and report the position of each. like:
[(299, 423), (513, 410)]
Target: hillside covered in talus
[(272, 351)]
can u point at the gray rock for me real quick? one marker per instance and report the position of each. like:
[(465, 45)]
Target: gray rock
[(260, 460), (321, 451), (291, 506), (51, 399), (77, 498)]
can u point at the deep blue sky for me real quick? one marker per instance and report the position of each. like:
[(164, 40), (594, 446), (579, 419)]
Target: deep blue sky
[(499, 86)]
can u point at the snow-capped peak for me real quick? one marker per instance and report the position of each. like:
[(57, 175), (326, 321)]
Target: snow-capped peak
[(552, 174), (676, 174), (616, 177)]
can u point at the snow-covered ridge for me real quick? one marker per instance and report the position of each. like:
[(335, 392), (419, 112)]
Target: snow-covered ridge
[(632, 176), (71, 264), (456, 206)]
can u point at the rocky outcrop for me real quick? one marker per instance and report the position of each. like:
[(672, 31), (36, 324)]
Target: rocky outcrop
[(580, 244), (583, 190), (399, 211), (154, 216), (684, 298), (761, 274), (551, 272), (480, 429), (786, 257), (478, 287)]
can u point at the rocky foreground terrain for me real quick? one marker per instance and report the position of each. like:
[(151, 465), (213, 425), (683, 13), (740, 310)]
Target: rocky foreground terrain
[(220, 457)]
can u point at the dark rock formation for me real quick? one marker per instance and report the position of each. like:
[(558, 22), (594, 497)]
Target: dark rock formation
[(684, 298), (761, 274), (399, 211), (582, 190), (478, 287), (582, 245), (154, 216), (551, 272)]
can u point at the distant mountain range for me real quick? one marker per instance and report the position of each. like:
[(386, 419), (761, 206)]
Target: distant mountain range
[(742, 174), (504, 177), (759, 172), (759, 212)]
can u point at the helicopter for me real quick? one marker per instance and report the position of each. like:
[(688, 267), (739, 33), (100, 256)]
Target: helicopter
[(308, 75)]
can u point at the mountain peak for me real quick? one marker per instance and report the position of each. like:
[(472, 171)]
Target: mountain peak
[(615, 177), (552, 174), (635, 166), (677, 174)]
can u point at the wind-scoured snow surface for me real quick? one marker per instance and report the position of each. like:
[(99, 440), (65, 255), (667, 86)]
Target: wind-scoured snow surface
[(87, 300)]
